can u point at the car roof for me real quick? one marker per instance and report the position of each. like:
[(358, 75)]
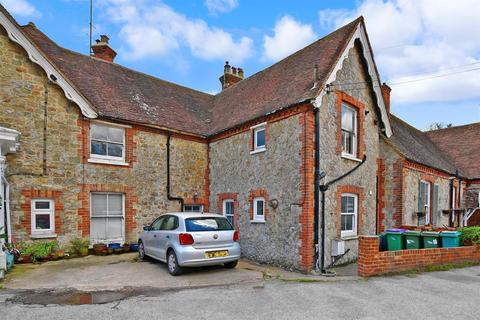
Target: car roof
[(186, 215)]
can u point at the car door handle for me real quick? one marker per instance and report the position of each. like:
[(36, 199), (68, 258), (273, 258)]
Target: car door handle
[(168, 237), (154, 235)]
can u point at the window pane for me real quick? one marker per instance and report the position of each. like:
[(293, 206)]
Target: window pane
[(115, 150), (348, 204), (347, 222), (42, 221), (259, 207), (114, 230), (99, 132), (99, 148), (260, 135), (169, 223), (115, 205), (99, 228), (192, 208), (207, 224), (42, 205), (156, 225), (115, 135), (99, 204), (230, 219), (229, 208), (348, 116)]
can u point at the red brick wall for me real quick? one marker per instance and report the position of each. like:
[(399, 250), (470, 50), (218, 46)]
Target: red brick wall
[(343, 97), (373, 262), (84, 211), (399, 175), (28, 195), (307, 169)]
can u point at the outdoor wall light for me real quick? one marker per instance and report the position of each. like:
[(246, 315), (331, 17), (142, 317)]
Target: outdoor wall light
[(274, 203)]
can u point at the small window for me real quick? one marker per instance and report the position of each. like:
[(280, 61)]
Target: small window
[(228, 207), (192, 208), (349, 213), (107, 142), (349, 131), (259, 209), (259, 138), (43, 216)]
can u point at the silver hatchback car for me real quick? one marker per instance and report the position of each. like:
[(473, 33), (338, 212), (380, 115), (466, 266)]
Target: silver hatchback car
[(190, 240)]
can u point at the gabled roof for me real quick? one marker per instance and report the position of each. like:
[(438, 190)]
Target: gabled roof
[(120, 93), (416, 146), (462, 145)]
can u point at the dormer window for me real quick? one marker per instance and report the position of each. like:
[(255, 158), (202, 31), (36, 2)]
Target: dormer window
[(107, 143)]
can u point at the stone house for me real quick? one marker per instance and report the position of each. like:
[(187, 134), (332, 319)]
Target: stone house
[(429, 178), (298, 156)]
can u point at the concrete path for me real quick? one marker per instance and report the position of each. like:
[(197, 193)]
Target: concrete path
[(450, 294)]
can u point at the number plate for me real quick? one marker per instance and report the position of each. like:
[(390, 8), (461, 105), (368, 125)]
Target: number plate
[(216, 254)]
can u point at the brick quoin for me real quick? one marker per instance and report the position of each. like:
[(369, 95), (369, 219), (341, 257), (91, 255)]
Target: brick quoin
[(399, 186), (342, 97), (258, 193), (28, 195), (307, 172), (84, 211), (359, 191), (381, 195), (229, 196), (373, 262)]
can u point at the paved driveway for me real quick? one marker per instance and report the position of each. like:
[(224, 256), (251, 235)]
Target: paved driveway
[(115, 272)]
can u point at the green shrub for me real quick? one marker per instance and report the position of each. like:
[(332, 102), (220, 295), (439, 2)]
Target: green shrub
[(470, 234), (40, 250), (79, 244)]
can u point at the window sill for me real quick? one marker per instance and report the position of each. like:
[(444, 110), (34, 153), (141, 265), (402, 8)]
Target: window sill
[(111, 162), (258, 150), (43, 236), (257, 221), (350, 157), (349, 237)]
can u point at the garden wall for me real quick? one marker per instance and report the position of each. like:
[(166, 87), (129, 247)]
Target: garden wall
[(372, 261)]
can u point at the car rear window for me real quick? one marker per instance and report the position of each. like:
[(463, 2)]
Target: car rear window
[(207, 224)]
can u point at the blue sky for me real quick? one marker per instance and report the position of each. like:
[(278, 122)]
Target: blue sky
[(427, 49)]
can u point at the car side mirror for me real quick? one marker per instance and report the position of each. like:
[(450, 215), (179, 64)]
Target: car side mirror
[(147, 228)]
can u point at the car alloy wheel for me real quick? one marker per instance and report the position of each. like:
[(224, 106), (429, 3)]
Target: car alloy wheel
[(172, 264)]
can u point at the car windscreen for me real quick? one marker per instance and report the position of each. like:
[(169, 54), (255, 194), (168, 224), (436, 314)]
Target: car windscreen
[(207, 224)]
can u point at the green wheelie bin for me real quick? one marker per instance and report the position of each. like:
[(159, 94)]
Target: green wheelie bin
[(395, 239), (431, 239), (412, 239)]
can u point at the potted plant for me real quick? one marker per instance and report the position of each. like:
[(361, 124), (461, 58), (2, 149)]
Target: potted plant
[(470, 235), (25, 258), (100, 249), (79, 246)]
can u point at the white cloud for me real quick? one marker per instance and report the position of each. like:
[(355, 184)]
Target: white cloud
[(289, 36), (20, 7), (418, 37), (220, 6), (155, 29)]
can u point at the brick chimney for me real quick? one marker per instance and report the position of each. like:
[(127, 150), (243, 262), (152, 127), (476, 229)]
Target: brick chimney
[(101, 49), (231, 75), (386, 95)]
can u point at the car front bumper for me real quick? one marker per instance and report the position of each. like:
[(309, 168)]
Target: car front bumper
[(189, 256)]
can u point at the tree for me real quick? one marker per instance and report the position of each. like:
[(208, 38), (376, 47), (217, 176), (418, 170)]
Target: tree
[(439, 125)]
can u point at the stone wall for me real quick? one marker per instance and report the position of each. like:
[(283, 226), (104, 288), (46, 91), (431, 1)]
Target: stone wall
[(53, 153), (277, 173), (334, 165)]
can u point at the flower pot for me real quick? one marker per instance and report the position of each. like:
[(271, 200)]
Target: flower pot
[(25, 258), (100, 249), (109, 250), (83, 252), (126, 247), (118, 250)]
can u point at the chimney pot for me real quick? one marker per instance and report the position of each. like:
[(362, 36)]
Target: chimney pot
[(234, 71), (226, 68), (240, 73)]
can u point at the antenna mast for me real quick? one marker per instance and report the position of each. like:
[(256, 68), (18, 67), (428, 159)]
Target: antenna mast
[(91, 26)]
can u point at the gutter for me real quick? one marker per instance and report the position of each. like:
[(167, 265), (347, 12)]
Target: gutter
[(169, 196)]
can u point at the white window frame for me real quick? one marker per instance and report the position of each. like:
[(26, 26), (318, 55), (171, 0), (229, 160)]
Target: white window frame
[(355, 132), (256, 217), (225, 201), (428, 203), (97, 158), (107, 241), (193, 205), (50, 211), (354, 231), (256, 129)]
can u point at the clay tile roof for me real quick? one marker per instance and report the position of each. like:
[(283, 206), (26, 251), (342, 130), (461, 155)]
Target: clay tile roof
[(120, 93), (462, 145), (416, 146)]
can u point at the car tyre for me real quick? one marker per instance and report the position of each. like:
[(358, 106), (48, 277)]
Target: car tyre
[(172, 264), (141, 251), (231, 265)]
